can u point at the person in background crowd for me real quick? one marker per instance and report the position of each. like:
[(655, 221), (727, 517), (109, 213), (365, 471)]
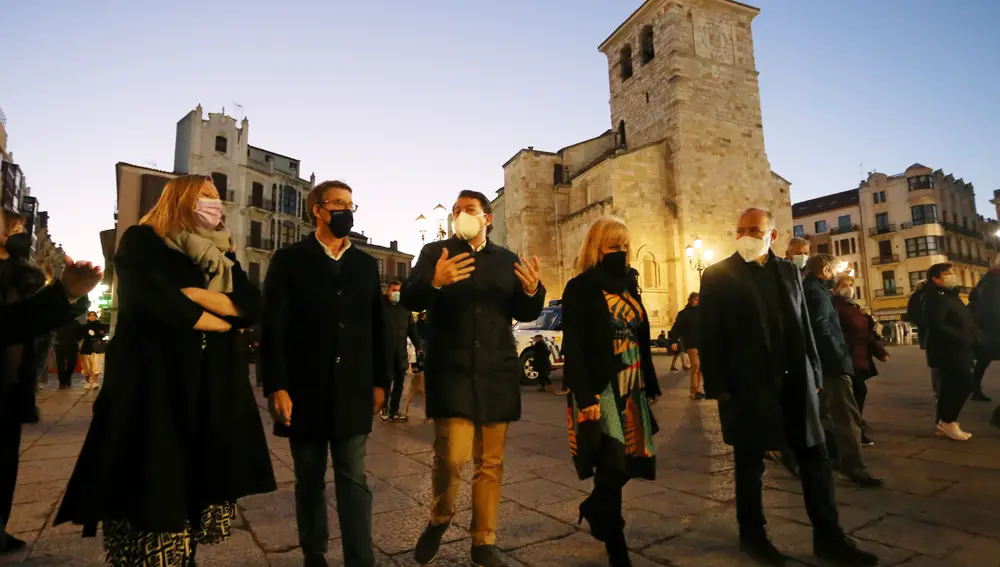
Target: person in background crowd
[(677, 346), (685, 330), (399, 325), (176, 437), (985, 304), (541, 363), (915, 315), (19, 281), (416, 389), (93, 334), (325, 370), (838, 371), (797, 252), (67, 352), (662, 340), (471, 289), (862, 343), (760, 362), (952, 336), (609, 369)]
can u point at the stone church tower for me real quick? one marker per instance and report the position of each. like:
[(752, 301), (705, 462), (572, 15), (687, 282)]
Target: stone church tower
[(683, 157)]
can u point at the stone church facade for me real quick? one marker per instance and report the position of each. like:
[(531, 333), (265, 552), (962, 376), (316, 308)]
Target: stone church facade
[(685, 155)]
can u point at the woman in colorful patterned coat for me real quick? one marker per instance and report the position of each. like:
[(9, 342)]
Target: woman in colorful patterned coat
[(609, 369)]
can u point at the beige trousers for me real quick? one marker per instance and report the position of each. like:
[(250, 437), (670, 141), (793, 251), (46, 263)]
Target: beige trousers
[(457, 440), (697, 381)]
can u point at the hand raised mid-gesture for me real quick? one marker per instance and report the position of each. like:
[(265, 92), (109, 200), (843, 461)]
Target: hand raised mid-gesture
[(450, 270), (527, 272)]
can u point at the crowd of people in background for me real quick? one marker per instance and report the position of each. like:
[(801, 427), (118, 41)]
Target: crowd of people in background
[(781, 344)]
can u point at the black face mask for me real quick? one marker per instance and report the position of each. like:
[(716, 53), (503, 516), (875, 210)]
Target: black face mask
[(614, 262), (19, 245), (341, 222)]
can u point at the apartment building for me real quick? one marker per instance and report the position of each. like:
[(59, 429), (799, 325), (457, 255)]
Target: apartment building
[(896, 227), (832, 224)]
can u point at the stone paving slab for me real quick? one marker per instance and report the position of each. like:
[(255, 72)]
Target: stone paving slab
[(939, 507)]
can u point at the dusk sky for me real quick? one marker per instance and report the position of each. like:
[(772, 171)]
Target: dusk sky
[(410, 102)]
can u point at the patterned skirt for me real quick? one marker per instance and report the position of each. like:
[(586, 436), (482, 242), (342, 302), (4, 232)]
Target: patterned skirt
[(126, 546)]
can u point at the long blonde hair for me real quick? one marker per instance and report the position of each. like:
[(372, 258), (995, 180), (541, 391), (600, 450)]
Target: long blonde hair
[(605, 231), (175, 208)]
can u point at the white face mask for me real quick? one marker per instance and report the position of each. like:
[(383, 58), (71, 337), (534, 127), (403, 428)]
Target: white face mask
[(800, 260), (468, 226), (950, 281), (751, 248), (394, 296), (847, 292)]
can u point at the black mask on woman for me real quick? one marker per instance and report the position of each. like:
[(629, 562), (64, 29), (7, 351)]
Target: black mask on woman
[(615, 262), (341, 222), (19, 245)]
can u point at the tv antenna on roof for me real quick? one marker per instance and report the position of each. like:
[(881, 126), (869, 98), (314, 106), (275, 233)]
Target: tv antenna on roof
[(239, 111)]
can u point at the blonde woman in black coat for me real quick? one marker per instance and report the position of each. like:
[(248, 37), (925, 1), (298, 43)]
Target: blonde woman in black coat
[(176, 436), (609, 369)]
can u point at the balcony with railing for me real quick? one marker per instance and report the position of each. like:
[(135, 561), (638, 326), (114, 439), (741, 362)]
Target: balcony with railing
[(880, 230), (955, 227), (967, 259), (885, 260), (891, 292), (260, 203), (257, 243), (845, 229)]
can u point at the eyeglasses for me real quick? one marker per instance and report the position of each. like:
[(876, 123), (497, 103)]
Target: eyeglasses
[(341, 205)]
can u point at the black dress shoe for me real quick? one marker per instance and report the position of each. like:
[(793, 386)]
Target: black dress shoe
[(429, 543), (843, 551), (761, 550), (487, 556), (980, 397), (865, 479)]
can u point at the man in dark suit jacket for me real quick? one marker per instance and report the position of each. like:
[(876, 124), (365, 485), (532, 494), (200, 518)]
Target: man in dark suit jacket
[(399, 325), (835, 359), (760, 362), (322, 354), (471, 288)]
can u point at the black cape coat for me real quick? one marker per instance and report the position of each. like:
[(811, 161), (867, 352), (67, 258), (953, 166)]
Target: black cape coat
[(176, 426), (735, 351), (322, 339), (471, 368)]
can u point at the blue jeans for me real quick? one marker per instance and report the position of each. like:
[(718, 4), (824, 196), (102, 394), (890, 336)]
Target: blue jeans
[(354, 499)]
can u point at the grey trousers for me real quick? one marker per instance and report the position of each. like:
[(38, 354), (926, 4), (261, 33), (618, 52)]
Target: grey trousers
[(844, 422)]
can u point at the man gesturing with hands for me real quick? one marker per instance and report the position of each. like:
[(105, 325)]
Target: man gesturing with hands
[(471, 288)]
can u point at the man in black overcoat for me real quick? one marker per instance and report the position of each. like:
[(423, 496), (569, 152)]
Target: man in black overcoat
[(399, 325), (471, 289), (760, 362), (985, 304), (322, 357)]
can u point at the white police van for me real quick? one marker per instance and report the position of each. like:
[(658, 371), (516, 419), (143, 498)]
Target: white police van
[(549, 325)]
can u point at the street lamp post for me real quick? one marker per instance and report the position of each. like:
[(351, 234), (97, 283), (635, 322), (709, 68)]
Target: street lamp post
[(422, 227), (699, 257), (439, 215)]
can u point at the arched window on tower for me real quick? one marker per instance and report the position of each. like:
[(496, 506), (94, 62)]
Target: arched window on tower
[(621, 134), (625, 62), (648, 52)]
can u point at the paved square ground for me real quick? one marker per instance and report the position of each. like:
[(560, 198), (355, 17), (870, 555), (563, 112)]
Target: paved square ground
[(941, 506)]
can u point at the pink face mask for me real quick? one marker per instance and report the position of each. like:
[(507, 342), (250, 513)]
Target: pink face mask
[(209, 212)]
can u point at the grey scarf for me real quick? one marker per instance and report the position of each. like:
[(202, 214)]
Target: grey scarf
[(207, 248)]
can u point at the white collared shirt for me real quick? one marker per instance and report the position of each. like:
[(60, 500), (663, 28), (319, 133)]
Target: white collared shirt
[(329, 252)]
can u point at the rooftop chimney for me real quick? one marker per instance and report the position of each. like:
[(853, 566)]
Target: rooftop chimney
[(394, 245)]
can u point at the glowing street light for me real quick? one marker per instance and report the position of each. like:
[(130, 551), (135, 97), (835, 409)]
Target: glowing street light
[(699, 258)]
